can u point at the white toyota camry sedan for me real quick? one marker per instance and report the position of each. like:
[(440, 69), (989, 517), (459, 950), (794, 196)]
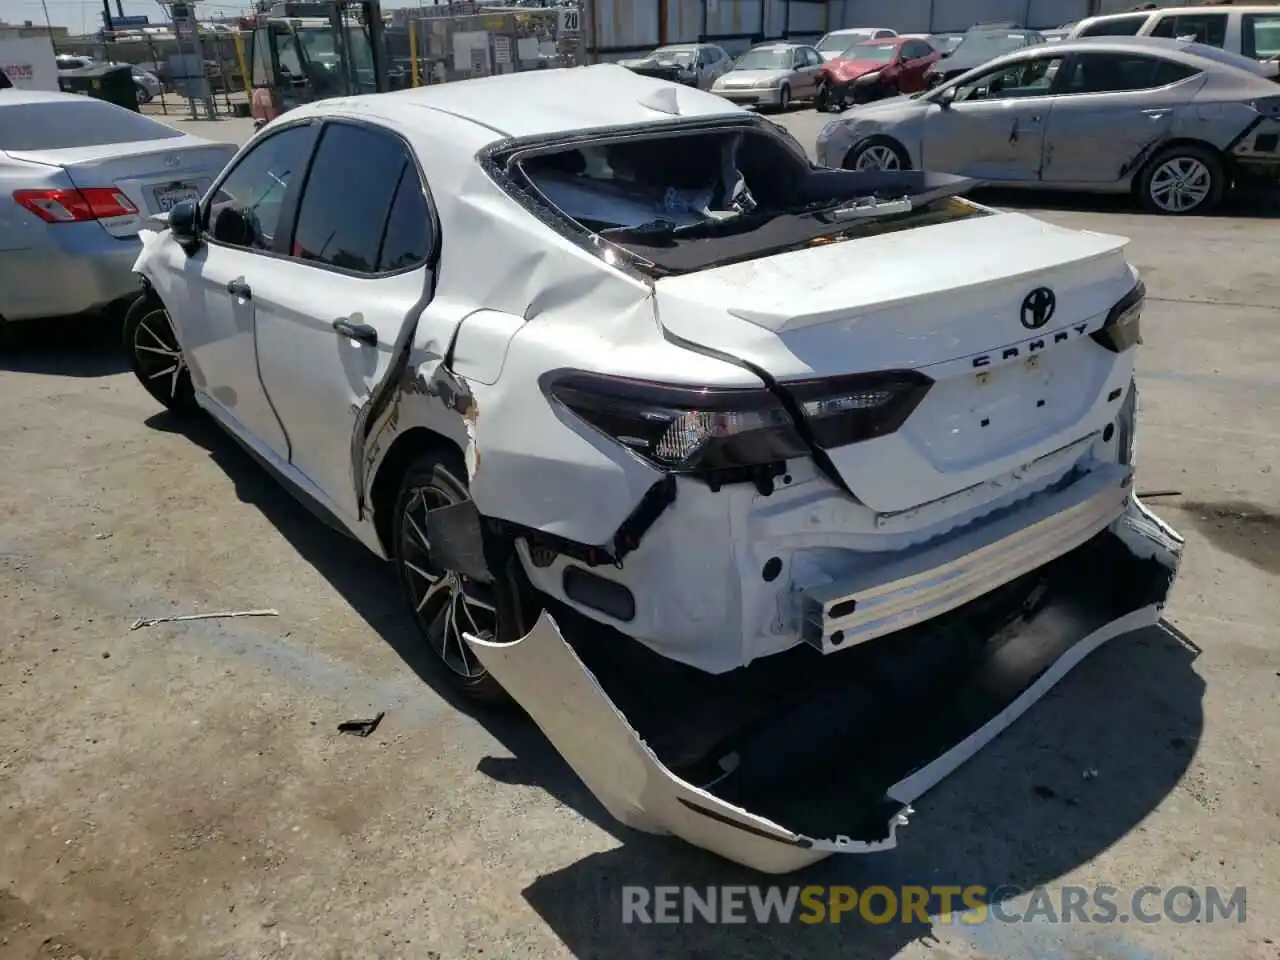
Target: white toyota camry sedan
[(770, 491)]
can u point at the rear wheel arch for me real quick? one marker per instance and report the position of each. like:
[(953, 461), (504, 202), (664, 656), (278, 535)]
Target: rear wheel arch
[(404, 451), (878, 139), (1221, 167)]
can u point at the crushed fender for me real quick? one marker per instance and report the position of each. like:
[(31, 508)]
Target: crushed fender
[(801, 755)]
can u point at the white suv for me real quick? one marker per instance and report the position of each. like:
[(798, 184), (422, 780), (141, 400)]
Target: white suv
[(721, 464), (1252, 31)]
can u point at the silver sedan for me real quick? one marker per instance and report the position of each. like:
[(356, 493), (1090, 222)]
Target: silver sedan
[(81, 177), (772, 75), (1172, 121)]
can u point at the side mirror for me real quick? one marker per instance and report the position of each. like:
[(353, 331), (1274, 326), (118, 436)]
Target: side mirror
[(946, 98), (184, 222)]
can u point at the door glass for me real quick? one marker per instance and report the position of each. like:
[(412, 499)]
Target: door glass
[(1210, 28), (1031, 78), (1261, 38), (1112, 73), (246, 207), (345, 206), (1120, 27), (407, 242)]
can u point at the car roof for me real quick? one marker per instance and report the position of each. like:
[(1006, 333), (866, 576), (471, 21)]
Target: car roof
[(885, 41), (1196, 9), (780, 44), (37, 96), (1200, 55), (535, 102), (836, 33)]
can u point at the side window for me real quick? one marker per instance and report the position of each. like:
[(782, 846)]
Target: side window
[(347, 200), (245, 209), (290, 54), (1030, 78), (1210, 28), (1119, 27), (407, 242), (812, 57), (916, 49), (261, 58), (1113, 73), (1260, 37)]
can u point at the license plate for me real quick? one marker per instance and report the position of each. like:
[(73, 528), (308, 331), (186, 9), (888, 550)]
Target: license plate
[(169, 197)]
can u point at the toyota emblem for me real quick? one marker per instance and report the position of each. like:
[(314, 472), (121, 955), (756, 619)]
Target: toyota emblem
[(1038, 307)]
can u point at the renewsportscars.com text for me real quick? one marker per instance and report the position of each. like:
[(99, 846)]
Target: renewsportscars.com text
[(937, 904)]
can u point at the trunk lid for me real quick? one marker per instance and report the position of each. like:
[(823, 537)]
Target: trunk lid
[(153, 174), (944, 300)]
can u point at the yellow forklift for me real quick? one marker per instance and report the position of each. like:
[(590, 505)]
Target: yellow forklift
[(295, 53)]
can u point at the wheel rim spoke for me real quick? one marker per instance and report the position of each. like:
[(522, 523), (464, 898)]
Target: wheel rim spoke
[(443, 607), (162, 345)]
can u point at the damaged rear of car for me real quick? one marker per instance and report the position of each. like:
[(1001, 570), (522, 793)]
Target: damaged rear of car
[(822, 477)]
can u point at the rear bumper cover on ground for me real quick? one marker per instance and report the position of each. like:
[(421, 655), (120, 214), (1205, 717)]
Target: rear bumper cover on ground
[(875, 727)]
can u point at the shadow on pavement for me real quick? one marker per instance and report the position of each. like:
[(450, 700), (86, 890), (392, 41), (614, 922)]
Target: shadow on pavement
[(66, 346), (1022, 813)]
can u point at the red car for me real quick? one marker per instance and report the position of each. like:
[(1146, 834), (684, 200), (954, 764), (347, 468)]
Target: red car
[(874, 69)]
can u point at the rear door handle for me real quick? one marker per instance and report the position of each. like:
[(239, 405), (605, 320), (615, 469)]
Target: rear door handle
[(1155, 113), (360, 332), (238, 288)]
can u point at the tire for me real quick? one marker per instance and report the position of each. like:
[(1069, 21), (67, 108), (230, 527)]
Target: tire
[(156, 356), (1182, 180), (144, 95), (865, 154), (822, 102), (784, 99), (445, 604)]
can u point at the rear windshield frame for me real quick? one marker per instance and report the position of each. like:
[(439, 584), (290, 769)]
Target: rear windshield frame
[(933, 194), (47, 123)]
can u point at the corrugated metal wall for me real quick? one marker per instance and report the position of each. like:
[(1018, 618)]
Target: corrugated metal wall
[(627, 27)]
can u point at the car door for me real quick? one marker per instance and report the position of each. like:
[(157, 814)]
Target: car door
[(916, 57), (209, 300), (333, 317), (994, 128), (808, 63), (1107, 109)]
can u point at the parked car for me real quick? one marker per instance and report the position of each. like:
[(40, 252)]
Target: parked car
[(714, 500), (1249, 30), (946, 42), (146, 83), (874, 70), (1173, 122), (977, 47), (80, 176), (832, 43), (692, 64), (772, 75), (69, 61)]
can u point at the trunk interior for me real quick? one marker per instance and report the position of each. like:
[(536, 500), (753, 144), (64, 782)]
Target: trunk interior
[(815, 744)]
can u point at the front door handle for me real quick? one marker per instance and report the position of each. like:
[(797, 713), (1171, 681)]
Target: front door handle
[(1155, 113), (360, 332), (238, 288)]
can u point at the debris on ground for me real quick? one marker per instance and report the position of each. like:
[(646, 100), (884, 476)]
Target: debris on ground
[(1153, 494), (362, 728), (152, 621)]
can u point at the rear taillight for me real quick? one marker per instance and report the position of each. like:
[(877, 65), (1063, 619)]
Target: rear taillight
[(849, 409), (682, 429), (1122, 329), (75, 206), (696, 429)]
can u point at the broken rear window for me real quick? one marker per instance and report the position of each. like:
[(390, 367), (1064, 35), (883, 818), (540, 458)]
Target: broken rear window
[(698, 198)]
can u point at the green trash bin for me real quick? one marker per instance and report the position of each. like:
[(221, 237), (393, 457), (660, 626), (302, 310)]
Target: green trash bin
[(110, 82)]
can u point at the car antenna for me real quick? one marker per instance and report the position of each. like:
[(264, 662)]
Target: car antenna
[(664, 100)]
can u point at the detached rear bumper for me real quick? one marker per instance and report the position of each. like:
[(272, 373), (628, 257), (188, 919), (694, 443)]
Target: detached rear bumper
[(824, 755)]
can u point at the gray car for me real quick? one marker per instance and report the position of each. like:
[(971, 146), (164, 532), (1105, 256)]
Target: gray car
[(772, 75), (692, 64), (1174, 122), (81, 177)]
